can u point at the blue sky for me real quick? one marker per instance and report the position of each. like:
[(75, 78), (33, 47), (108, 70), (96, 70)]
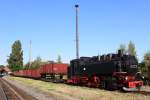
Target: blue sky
[(50, 25)]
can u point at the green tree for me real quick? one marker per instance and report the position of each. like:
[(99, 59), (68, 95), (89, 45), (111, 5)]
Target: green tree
[(146, 68), (15, 59), (59, 59), (35, 64), (131, 49), (123, 48), (27, 65)]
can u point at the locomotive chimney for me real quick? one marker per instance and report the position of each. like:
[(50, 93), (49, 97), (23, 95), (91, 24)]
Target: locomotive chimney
[(120, 53), (77, 33)]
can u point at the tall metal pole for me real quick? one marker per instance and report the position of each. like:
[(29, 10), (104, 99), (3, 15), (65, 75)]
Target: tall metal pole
[(30, 55), (77, 32)]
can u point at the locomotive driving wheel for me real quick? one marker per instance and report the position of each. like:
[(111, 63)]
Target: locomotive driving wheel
[(109, 84)]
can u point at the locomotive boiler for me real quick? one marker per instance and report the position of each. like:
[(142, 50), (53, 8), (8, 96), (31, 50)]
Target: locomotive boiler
[(111, 71)]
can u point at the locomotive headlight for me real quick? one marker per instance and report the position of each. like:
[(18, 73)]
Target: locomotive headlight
[(126, 78), (143, 77), (84, 68)]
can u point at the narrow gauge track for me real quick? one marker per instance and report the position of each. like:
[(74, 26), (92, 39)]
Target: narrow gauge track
[(2, 93), (146, 93), (10, 92)]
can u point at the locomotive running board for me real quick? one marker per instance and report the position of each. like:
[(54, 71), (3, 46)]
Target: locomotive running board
[(130, 89)]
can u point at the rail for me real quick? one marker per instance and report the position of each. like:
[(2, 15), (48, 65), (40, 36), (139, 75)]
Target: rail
[(146, 93), (2, 93), (10, 92)]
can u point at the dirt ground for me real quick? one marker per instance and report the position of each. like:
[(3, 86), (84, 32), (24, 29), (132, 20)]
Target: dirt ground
[(63, 91)]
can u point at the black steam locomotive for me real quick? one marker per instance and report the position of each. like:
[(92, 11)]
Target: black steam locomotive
[(112, 71)]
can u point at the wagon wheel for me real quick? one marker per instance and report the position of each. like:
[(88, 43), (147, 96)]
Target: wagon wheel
[(103, 85), (89, 84)]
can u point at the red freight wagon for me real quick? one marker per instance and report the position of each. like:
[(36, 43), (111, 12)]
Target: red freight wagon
[(20, 73), (54, 71), (47, 68), (54, 68), (28, 73), (24, 72), (32, 73), (16, 73), (60, 68), (35, 73)]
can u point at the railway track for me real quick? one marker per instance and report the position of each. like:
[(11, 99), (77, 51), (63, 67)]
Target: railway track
[(10, 92), (2, 94), (146, 93)]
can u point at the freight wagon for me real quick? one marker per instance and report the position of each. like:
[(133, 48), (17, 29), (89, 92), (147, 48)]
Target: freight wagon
[(55, 72)]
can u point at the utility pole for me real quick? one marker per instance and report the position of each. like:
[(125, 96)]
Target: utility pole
[(77, 32), (30, 55)]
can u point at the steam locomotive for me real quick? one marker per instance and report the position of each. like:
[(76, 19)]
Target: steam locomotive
[(112, 71)]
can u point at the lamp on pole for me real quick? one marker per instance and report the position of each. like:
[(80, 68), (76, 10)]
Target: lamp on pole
[(77, 32)]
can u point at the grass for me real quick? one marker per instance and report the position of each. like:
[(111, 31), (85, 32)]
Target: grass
[(80, 93)]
